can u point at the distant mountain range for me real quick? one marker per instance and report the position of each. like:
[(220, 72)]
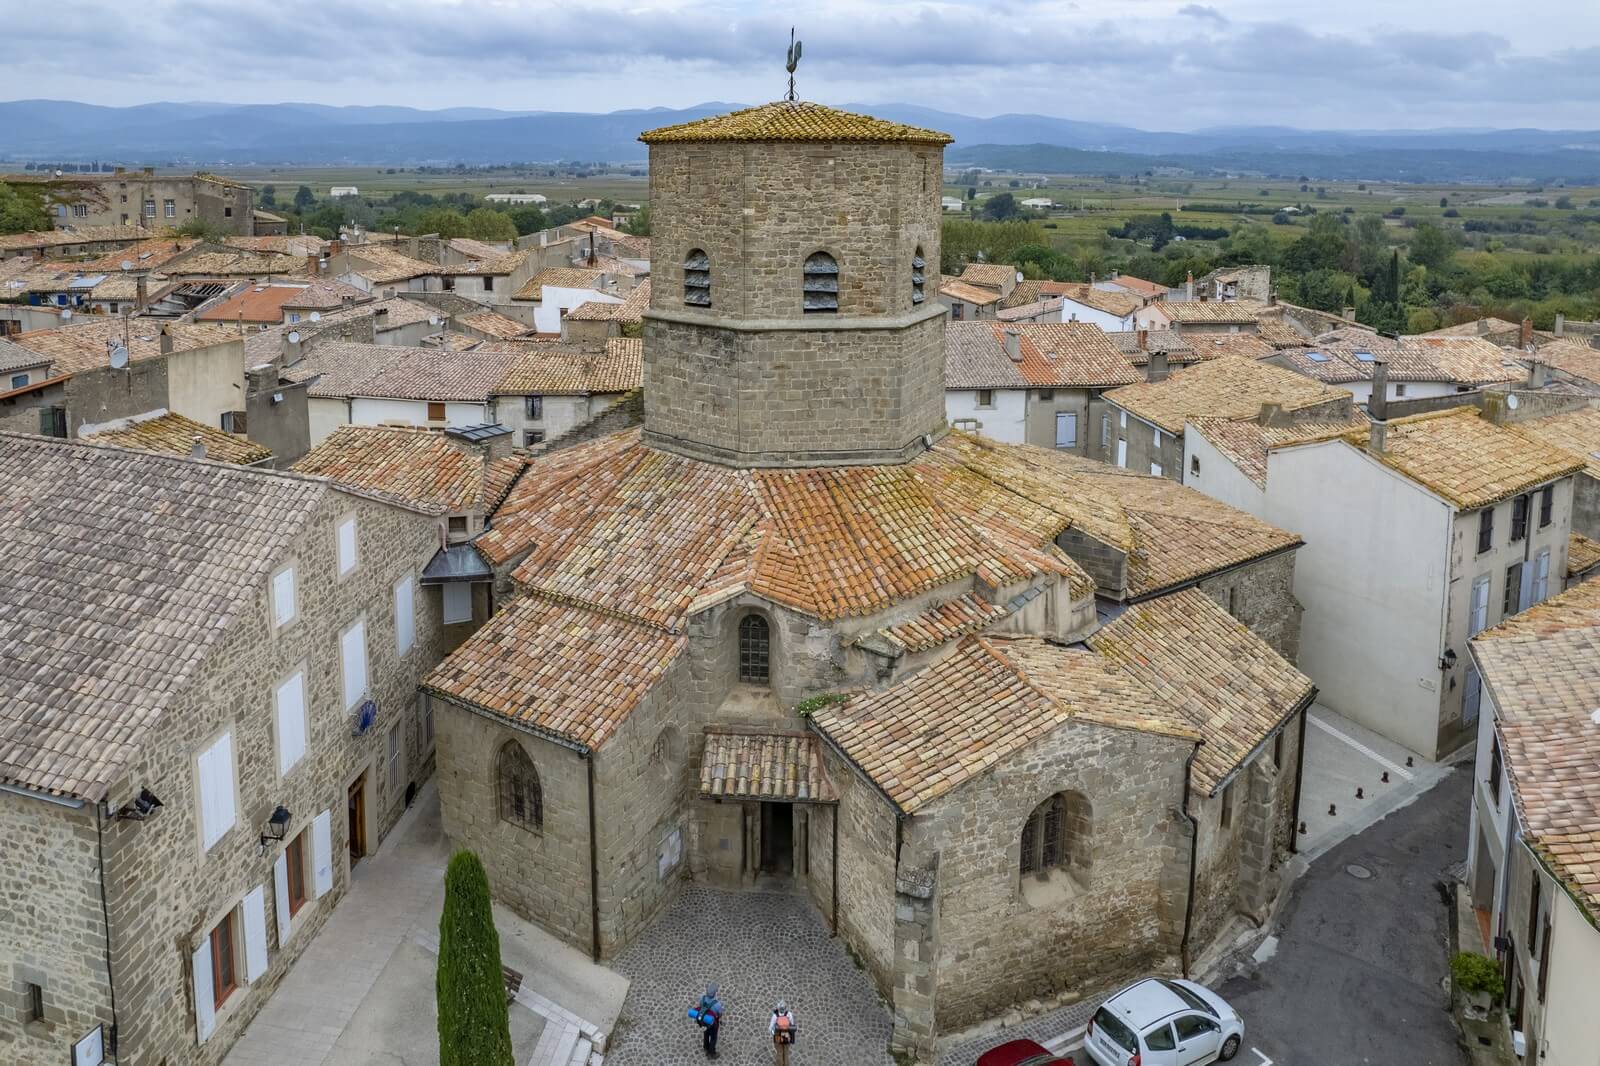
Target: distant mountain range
[(219, 135)]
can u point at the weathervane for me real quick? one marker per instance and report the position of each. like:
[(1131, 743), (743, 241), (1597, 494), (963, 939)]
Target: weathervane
[(794, 61)]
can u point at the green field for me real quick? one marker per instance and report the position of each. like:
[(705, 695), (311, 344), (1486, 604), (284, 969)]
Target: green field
[(379, 183)]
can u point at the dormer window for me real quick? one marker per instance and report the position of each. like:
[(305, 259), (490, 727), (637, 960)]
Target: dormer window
[(821, 284), (917, 277), (697, 279)]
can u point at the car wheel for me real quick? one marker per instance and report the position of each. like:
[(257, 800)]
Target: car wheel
[(1230, 1048)]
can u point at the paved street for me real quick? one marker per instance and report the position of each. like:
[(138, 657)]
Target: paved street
[(1357, 976)]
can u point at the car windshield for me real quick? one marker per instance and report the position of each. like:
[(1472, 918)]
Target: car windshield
[(1194, 1001), (1109, 1024)]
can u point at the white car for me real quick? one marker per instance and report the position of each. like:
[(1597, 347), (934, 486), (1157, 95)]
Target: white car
[(1162, 1022)]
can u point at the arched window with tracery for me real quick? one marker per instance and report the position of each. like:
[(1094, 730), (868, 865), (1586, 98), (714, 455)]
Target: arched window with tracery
[(918, 276), (755, 650), (521, 798), (697, 279), (821, 284), (1056, 836)]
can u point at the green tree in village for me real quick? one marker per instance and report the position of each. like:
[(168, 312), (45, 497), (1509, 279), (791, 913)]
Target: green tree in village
[(1001, 207), (528, 219), (487, 224), (21, 210), (447, 222), (474, 1027), (1431, 247), (304, 198), (269, 196), (639, 224)]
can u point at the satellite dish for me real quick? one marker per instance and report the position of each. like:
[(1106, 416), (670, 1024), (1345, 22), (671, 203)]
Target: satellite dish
[(316, 316), (294, 336), (434, 320), (1512, 401), (127, 264), (1019, 275), (119, 357), (65, 314)]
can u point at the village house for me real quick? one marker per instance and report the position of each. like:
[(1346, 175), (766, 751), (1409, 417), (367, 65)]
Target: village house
[(1143, 427), (714, 633), (70, 242), (553, 388), (1577, 433), (555, 291), (491, 280), (1252, 282), (594, 321), (1148, 291), (968, 302), (1456, 522), (141, 199), (1417, 367), (1533, 855), (239, 769), (1027, 383), (1201, 316), (167, 433)]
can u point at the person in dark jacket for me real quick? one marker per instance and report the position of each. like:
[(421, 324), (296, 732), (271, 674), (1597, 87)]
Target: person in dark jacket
[(710, 1019)]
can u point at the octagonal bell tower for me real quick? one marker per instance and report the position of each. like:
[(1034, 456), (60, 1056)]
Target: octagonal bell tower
[(794, 318)]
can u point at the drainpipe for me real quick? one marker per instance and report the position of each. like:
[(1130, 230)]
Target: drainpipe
[(1194, 855), (594, 867), (105, 914), (1299, 772), (834, 824)]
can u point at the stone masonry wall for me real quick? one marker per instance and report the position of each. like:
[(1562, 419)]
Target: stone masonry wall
[(165, 893), (866, 824), (1261, 595)]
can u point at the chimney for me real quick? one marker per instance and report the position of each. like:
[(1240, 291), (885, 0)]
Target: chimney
[(141, 288), (1538, 374), (1378, 438), (197, 450), (1483, 326), (1272, 297), (1092, 279), (335, 247), (1157, 369), (1525, 336), (381, 313), (1348, 314), (291, 348), (261, 378), (346, 302), (414, 248), (1271, 414), (1013, 345), (1188, 286), (1561, 324), (1378, 403), (1144, 340), (1115, 273), (166, 341)]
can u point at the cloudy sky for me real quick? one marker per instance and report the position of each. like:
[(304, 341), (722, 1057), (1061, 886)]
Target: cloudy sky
[(1157, 64)]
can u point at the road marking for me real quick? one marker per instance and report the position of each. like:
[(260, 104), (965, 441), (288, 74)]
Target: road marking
[(1264, 1060), (1363, 749)]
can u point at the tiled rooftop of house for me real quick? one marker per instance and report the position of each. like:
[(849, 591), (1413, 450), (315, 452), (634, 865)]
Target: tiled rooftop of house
[(56, 238), (96, 635), (1577, 433), (1210, 312), (1542, 670), (957, 289), (1467, 460), (1178, 666), (1583, 554), (989, 275), (1219, 345), (424, 467), (1466, 361), (438, 375), (1139, 286), (1246, 441), (14, 356), (149, 254), (1572, 357), (81, 345), (1121, 304), (631, 309), (766, 766), (565, 369), (1053, 354), (500, 263), (1178, 348), (325, 294), (493, 324), (253, 303), (381, 264), (560, 278), (793, 120), (1475, 328), (173, 434), (1228, 387), (207, 263), (1034, 291)]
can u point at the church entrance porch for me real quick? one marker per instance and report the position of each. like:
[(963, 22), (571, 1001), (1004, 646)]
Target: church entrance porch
[(777, 840), (760, 793)]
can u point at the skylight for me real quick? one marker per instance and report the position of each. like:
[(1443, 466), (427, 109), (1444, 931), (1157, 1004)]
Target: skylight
[(1317, 357), (1365, 357)]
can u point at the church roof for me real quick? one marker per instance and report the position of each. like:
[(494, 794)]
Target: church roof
[(793, 120)]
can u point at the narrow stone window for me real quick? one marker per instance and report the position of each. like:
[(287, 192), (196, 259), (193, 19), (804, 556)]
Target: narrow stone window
[(1056, 836), (755, 650), (918, 265), (821, 284), (521, 798), (697, 279)]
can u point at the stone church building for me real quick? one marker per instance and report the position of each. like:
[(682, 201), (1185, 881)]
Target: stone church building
[(1018, 723)]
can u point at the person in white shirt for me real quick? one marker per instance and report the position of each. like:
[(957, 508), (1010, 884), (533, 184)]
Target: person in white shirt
[(783, 1029)]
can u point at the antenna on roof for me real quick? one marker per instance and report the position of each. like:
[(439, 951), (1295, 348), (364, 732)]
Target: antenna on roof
[(793, 61)]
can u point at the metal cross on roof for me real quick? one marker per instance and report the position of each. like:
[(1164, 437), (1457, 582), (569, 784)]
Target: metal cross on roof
[(793, 61)]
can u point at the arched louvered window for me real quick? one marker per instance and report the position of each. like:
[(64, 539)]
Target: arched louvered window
[(821, 284), (697, 279), (521, 798), (918, 265), (1056, 835), (755, 650)]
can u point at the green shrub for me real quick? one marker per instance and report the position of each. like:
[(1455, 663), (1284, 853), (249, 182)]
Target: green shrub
[(1474, 973), (474, 1027)]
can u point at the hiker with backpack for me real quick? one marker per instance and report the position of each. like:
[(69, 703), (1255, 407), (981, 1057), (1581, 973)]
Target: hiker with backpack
[(708, 1012), (783, 1029)]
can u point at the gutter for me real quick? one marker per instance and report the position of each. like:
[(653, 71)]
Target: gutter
[(1194, 853), (1299, 774), (105, 914), (594, 866)]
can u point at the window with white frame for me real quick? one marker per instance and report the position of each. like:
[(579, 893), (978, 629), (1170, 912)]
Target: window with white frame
[(289, 707), (1155, 468), (457, 596), (1155, 436), (171, 208), (405, 614), (353, 663), (18, 380), (1541, 576), (283, 597), (228, 957), (214, 775), (347, 545)]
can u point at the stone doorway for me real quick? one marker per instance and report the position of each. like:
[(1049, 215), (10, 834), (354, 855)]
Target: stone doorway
[(777, 840), (356, 808)]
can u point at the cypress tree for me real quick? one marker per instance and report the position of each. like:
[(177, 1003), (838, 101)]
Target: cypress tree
[(474, 1027)]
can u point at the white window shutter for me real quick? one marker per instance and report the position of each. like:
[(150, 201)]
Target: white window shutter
[(216, 790), (347, 546), (291, 706), (255, 933), (457, 599), (321, 854), (205, 1011), (280, 896), (353, 655), (283, 596), (405, 617)]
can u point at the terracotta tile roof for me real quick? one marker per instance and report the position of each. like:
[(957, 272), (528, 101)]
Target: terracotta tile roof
[(1210, 312), (300, 244), (1577, 433), (764, 766), (424, 467), (81, 345), (1356, 337), (56, 238), (1465, 459), (1246, 442), (1121, 304), (1475, 328), (1229, 387), (1571, 357), (1175, 344), (942, 623), (253, 303), (1054, 355), (1049, 308), (561, 278), (341, 366), (16, 357), (438, 375), (1582, 554), (1466, 360), (1542, 670), (957, 289), (793, 120), (325, 294), (146, 255), (1138, 286), (381, 264), (561, 369), (493, 323), (1178, 666), (119, 577), (558, 669), (1034, 291), (501, 263), (989, 275), (1237, 345), (173, 434), (631, 309), (1278, 333), (206, 263)]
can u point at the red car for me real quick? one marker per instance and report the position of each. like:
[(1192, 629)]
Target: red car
[(1021, 1053)]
